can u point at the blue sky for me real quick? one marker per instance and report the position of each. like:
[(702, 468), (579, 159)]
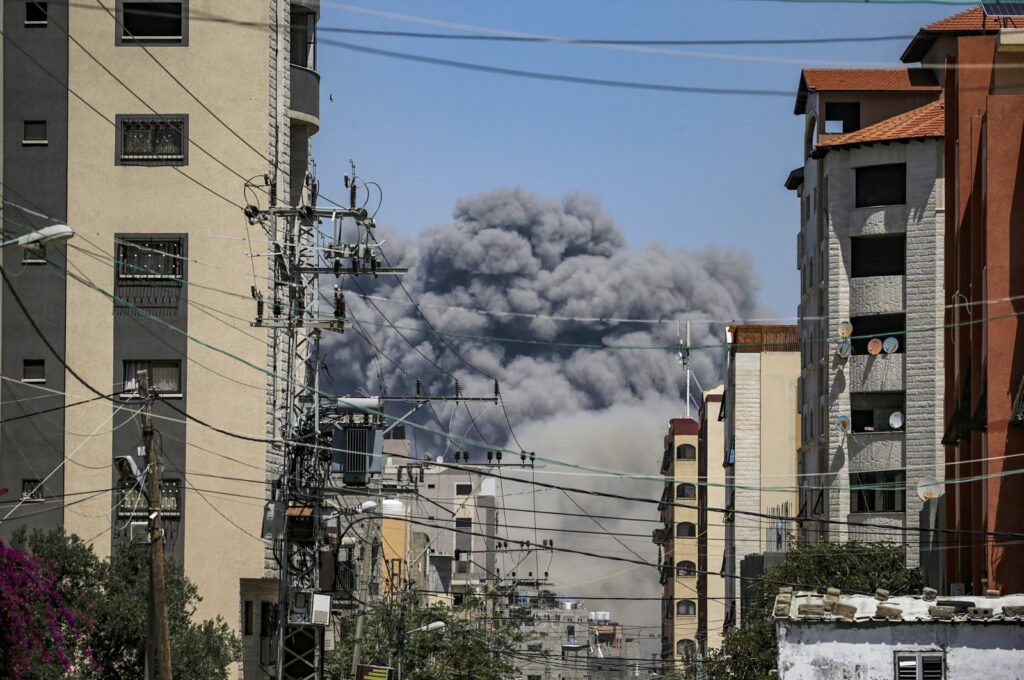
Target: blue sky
[(684, 170)]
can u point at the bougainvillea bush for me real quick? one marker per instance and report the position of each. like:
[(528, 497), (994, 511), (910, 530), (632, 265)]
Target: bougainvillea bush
[(40, 634)]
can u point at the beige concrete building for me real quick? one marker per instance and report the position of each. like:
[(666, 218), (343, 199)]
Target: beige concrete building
[(139, 128), (762, 427), (692, 540)]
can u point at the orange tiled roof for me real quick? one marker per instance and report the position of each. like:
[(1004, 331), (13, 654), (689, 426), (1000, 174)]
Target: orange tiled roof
[(920, 123), (863, 80), (972, 21), (975, 20)]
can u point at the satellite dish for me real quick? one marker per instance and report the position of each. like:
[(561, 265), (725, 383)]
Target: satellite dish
[(929, 488), (845, 329), (844, 349), (896, 420), (874, 347), (843, 423), (890, 345)]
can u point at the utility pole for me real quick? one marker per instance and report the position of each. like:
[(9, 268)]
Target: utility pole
[(159, 639), (367, 570)]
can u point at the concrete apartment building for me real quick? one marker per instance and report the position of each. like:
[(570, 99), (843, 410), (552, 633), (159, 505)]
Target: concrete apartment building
[(150, 173), (870, 252), (692, 540), (978, 57), (762, 435)]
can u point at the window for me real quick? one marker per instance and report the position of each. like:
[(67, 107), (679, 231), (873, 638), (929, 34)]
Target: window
[(463, 522), (152, 140), (33, 371), (268, 619), (883, 491), (31, 490), (841, 117), (458, 599), (878, 255), (880, 326), (920, 666), (535, 647), (686, 649), (686, 490), (150, 258), (463, 489), (686, 608), (35, 14), (686, 569), (686, 452), (881, 185), (35, 133), (164, 376), (686, 530), (247, 615), (134, 504), (148, 22), (873, 411), (303, 39)]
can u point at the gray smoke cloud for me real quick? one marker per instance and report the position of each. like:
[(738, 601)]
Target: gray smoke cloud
[(514, 251)]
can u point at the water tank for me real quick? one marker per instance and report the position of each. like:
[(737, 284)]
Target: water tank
[(393, 508)]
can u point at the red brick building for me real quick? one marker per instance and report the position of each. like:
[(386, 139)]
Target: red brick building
[(978, 56)]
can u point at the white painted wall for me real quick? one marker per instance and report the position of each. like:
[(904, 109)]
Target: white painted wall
[(866, 651)]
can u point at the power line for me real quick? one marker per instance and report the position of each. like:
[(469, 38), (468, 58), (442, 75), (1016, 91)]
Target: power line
[(557, 77)]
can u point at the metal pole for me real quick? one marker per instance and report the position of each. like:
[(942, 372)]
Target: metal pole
[(364, 594), (158, 596)]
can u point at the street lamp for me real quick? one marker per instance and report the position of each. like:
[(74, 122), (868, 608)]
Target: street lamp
[(436, 625), (54, 233)]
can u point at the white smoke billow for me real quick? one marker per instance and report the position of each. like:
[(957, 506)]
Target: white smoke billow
[(514, 251)]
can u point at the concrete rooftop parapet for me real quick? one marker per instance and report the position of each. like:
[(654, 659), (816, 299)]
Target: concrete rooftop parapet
[(808, 606)]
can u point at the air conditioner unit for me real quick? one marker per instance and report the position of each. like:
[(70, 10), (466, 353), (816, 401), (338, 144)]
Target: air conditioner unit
[(321, 610), (138, 530)]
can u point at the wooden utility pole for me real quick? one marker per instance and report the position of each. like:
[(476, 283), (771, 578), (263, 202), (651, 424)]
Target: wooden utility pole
[(159, 641)]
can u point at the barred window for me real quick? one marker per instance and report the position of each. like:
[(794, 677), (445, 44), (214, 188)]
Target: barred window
[(164, 376), (31, 490), (133, 504), (152, 140), (148, 258)]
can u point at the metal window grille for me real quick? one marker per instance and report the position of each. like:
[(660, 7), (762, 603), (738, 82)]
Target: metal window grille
[(164, 375), (31, 490), (150, 259), (920, 666), (134, 504), (153, 139)]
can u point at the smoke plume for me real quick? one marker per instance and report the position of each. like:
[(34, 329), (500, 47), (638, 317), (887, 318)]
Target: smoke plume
[(514, 251)]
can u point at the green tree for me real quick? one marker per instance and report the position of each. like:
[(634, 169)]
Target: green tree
[(115, 595), (471, 646), (751, 652)]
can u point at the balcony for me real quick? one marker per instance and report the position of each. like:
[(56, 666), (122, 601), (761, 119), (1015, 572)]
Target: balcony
[(305, 96), (877, 295), (881, 373), (875, 450)]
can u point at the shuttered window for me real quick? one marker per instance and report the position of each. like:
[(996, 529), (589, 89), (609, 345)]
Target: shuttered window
[(920, 666)]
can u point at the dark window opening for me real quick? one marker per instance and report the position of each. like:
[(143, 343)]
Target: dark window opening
[(33, 370), (686, 569), (878, 326), (881, 185), (152, 140), (686, 530), (463, 489), (35, 14), (686, 608), (35, 133), (686, 452), (458, 599), (152, 22), (877, 411), (878, 255), (31, 490), (883, 491), (150, 259), (686, 490), (247, 620), (841, 117), (268, 619), (303, 39), (164, 376)]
